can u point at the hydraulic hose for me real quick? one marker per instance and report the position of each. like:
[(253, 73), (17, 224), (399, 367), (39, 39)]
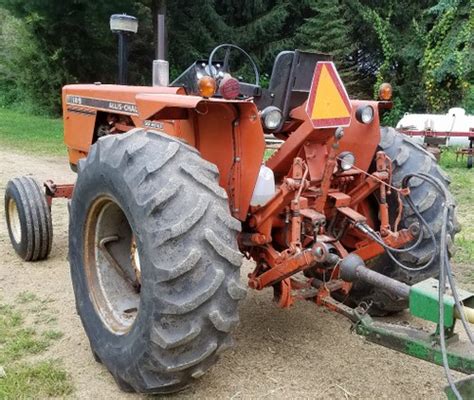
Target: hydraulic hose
[(444, 269), (390, 250)]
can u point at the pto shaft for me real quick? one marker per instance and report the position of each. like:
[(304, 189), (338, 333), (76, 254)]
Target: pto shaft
[(352, 268)]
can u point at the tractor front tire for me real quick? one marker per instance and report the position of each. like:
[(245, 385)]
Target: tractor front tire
[(408, 157), (154, 260), (28, 218)]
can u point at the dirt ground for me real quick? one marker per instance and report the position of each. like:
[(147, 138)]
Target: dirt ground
[(304, 352)]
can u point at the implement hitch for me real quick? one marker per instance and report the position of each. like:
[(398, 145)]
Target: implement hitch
[(423, 303)]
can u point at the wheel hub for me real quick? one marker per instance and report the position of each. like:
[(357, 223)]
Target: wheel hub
[(14, 220), (112, 265)]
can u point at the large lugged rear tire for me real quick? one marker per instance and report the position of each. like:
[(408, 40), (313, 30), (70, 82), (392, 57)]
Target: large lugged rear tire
[(408, 157), (149, 191), (28, 219)]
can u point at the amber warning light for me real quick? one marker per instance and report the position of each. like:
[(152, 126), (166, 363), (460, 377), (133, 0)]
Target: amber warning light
[(207, 86), (385, 91)]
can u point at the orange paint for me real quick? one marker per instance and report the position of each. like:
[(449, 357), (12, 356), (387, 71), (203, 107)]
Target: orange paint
[(227, 133), (310, 188)]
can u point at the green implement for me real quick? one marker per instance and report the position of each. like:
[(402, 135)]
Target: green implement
[(423, 301), (424, 304), (418, 343)]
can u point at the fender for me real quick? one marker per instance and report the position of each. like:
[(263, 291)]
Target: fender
[(227, 133)]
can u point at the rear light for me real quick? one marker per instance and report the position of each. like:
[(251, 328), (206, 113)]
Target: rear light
[(229, 87)]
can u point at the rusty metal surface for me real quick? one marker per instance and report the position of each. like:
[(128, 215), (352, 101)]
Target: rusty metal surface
[(53, 190)]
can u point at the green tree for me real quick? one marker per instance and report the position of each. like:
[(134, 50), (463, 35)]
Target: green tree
[(328, 30), (258, 26), (389, 47), (193, 29), (448, 57), (29, 76), (75, 44), (423, 48)]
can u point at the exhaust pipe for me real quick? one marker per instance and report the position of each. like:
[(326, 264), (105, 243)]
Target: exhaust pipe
[(161, 69), (161, 73)]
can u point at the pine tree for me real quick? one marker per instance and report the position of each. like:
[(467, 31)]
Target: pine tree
[(258, 27), (194, 28), (328, 30)]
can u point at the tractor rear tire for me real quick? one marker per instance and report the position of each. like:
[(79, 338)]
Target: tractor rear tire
[(162, 328), (28, 219), (408, 157)]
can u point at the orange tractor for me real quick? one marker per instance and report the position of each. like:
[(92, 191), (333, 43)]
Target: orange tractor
[(174, 190)]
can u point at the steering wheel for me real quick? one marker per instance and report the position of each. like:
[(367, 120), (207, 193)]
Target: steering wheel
[(225, 66)]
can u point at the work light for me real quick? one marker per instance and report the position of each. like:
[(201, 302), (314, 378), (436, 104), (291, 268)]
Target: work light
[(346, 160), (365, 114), (271, 117)]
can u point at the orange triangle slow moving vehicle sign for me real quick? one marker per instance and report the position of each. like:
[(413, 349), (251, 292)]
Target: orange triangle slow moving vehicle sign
[(328, 105)]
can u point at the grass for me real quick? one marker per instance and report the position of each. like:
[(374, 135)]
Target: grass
[(29, 133), (26, 297), (268, 154), (44, 379), (19, 342), (37, 308)]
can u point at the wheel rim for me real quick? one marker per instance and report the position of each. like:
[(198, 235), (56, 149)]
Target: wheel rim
[(14, 220), (112, 265)]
